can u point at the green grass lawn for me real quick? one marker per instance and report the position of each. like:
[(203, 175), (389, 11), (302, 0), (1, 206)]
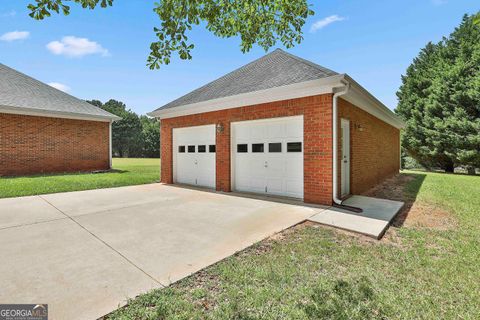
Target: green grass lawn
[(128, 172), (423, 269)]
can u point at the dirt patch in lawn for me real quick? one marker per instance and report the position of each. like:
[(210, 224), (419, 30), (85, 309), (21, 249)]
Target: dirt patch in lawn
[(414, 213), (428, 216)]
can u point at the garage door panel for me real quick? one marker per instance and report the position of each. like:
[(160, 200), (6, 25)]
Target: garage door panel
[(275, 130), (293, 165), (194, 163), (257, 184), (294, 188), (294, 129), (276, 163), (185, 161), (257, 131), (275, 185), (275, 170)]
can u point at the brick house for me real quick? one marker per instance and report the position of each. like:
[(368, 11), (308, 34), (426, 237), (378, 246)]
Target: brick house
[(282, 126), (45, 130)]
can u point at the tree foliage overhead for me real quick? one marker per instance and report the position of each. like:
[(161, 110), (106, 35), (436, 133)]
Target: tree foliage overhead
[(133, 136), (261, 22), (439, 99)]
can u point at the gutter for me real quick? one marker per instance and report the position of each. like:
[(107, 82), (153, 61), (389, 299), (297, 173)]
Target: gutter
[(57, 114)]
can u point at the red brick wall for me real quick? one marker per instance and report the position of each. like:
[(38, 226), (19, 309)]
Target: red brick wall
[(374, 150), (30, 145), (317, 112)]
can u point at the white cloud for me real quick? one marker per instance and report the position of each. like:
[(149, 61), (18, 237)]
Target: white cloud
[(325, 22), (59, 86), (14, 35), (76, 47), (11, 13)]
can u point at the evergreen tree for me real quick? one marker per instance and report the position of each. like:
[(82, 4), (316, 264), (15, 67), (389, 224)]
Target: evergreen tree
[(440, 101)]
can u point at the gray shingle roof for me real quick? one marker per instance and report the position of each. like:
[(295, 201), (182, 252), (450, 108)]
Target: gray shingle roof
[(275, 69), (19, 91)]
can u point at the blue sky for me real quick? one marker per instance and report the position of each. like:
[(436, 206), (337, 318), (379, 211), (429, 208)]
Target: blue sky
[(373, 41)]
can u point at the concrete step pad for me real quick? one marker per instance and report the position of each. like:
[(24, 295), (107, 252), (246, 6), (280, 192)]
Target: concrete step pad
[(373, 221)]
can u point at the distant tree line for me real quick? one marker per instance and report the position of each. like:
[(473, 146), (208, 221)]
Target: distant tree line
[(134, 136), (439, 99)]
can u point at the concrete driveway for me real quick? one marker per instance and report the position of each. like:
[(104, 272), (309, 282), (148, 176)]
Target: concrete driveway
[(84, 253)]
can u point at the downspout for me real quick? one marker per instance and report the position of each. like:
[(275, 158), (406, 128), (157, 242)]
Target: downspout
[(110, 143), (336, 201)]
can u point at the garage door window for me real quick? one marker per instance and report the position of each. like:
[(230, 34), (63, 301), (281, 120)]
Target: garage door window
[(294, 147), (257, 147), (191, 149), (202, 148), (275, 147), (181, 149), (211, 148), (242, 148)]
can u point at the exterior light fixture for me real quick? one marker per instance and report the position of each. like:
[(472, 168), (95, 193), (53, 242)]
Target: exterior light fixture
[(359, 127), (219, 127)]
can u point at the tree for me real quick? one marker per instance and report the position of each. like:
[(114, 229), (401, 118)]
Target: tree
[(150, 137), (127, 132), (133, 136), (259, 22), (439, 99)]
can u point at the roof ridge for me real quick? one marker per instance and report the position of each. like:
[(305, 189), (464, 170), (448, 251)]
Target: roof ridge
[(226, 75), (273, 69), (307, 62)]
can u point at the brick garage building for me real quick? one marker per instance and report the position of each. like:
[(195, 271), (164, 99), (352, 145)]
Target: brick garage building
[(44, 130), (268, 128)]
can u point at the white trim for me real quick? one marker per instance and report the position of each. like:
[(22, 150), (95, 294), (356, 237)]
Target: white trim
[(110, 143), (345, 172), (345, 90), (359, 96), (364, 100), (292, 91), (268, 119), (55, 114)]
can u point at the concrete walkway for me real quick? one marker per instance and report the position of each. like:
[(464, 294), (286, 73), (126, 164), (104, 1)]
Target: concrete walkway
[(84, 253), (373, 221)]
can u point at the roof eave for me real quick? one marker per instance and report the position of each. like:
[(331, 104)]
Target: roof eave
[(57, 114), (358, 95), (291, 91), (363, 99)]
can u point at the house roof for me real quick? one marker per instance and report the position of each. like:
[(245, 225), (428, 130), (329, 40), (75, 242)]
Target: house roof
[(22, 94), (275, 69)]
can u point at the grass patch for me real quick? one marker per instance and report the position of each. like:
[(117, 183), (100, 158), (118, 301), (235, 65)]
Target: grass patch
[(315, 272), (127, 172)]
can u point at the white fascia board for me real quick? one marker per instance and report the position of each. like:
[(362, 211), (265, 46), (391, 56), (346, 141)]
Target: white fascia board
[(292, 91), (364, 100), (357, 95), (55, 114)]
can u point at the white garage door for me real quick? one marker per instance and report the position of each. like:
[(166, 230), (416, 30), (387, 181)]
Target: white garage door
[(194, 156), (267, 156)]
